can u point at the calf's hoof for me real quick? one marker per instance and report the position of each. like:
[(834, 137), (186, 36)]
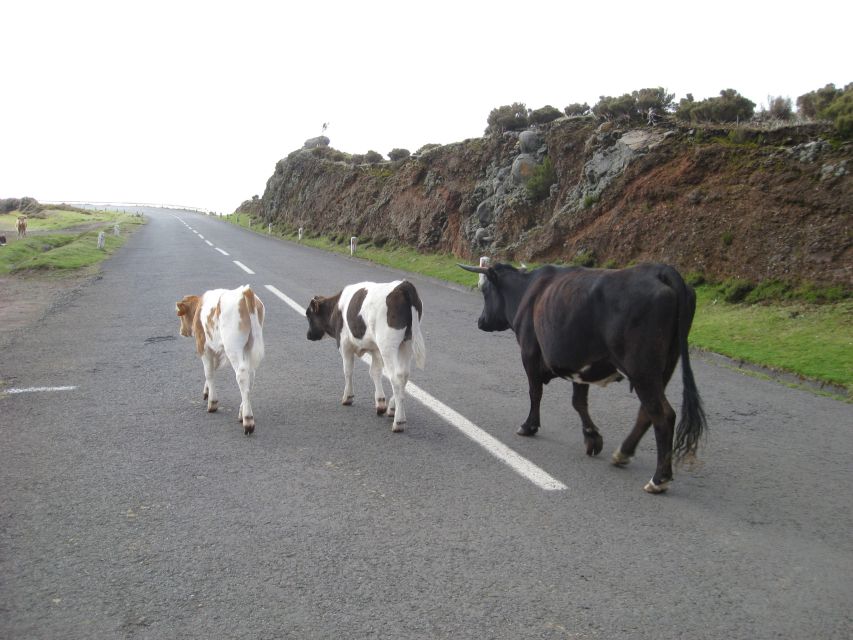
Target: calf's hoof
[(212, 406), (619, 459), (397, 427), (248, 430), (651, 487), (347, 401), (526, 430), (381, 407)]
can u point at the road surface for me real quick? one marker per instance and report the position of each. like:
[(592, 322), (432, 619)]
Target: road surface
[(130, 512)]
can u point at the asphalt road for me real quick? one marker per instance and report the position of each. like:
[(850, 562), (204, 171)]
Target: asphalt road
[(129, 512)]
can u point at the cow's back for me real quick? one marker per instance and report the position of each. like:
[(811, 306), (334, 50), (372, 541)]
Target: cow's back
[(579, 315)]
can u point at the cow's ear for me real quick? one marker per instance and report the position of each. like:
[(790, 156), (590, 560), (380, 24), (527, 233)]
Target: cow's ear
[(181, 308), (314, 305), (492, 275)]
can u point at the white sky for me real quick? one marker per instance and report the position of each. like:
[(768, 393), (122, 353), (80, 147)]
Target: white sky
[(193, 103)]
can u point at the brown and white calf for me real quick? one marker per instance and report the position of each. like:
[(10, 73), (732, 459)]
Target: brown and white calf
[(226, 323), (21, 226), (382, 319)]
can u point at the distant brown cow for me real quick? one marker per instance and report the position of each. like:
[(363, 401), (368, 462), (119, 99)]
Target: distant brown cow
[(21, 225)]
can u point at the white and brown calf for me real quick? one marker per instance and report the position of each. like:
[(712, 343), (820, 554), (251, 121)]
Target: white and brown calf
[(226, 323), (382, 319), (21, 226)]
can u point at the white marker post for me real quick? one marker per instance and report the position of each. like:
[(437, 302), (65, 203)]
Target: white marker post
[(116, 230), (484, 263), (269, 228), (353, 243), (101, 239), (299, 234)]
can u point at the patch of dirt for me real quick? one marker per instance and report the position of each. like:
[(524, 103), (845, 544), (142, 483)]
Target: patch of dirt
[(27, 297)]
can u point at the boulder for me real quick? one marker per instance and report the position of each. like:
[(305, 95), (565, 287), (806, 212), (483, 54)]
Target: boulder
[(313, 143)]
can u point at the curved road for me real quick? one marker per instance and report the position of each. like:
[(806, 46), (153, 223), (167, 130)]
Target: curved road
[(130, 512)]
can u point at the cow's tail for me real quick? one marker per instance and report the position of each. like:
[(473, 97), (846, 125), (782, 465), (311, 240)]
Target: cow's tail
[(692, 423), (418, 340), (256, 317)]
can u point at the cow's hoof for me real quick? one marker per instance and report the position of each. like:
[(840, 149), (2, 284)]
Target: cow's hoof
[(525, 430), (594, 444), (619, 459), (390, 412), (397, 427), (205, 394), (248, 429), (651, 487), (212, 406), (347, 401), (381, 407)]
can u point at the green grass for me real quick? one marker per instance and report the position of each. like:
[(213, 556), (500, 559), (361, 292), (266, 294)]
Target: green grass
[(796, 336), (63, 251), (815, 341)]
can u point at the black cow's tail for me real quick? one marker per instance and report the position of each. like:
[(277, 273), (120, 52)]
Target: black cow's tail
[(692, 423)]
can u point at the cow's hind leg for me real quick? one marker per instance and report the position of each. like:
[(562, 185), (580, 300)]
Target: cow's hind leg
[(626, 450), (400, 361), (244, 381), (662, 416), (208, 360), (591, 437), (376, 365)]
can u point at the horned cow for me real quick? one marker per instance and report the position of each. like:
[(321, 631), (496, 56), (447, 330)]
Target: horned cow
[(595, 326), (226, 323)]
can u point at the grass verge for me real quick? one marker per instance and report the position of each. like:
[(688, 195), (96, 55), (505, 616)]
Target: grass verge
[(814, 341), (66, 249)]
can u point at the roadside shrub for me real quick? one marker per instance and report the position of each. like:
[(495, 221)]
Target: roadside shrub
[(398, 154), (576, 109), (372, 157), (543, 115), (840, 111), (427, 147), (695, 278), (583, 258), (735, 290), (611, 108), (767, 291), (779, 108), (509, 117), (727, 238), (589, 200), (538, 187), (358, 158), (730, 106), (809, 105)]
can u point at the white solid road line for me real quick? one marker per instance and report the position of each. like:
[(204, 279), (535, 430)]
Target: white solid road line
[(37, 389), (498, 449), (224, 253), (244, 267)]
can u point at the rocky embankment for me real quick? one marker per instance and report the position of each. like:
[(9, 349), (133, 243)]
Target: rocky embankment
[(756, 204)]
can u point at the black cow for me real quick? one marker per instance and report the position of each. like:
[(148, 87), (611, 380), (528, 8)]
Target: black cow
[(598, 326)]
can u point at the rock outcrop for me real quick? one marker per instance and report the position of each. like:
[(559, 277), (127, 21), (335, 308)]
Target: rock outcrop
[(756, 204)]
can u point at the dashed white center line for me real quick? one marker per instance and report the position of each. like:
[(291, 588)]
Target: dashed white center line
[(224, 253), (244, 267), (209, 242), (201, 236), (498, 449)]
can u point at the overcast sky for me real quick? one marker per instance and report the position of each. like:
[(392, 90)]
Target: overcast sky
[(193, 103)]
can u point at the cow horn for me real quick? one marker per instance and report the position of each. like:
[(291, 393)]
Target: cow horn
[(473, 269)]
